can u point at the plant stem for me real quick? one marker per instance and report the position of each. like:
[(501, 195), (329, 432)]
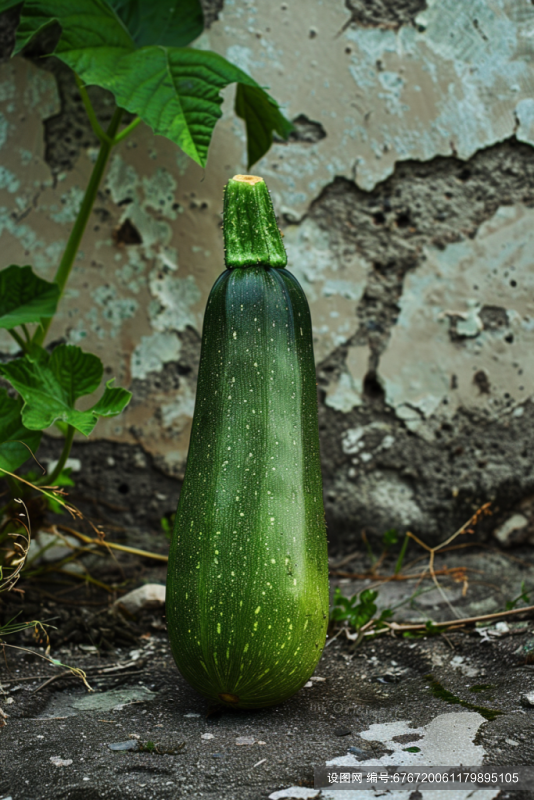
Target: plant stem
[(102, 136), (19, 340), (402, 553), (127, 131), (75, 237), (49, 479)]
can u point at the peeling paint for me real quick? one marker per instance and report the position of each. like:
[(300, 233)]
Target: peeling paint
[(346, 393), (114, 310), (524, 113), (173, 415), (426, 369), (153, 352), (8, 180), (175, 296), (371, 96), (138, 196), (159, 192), (453, 83), (71, 202), (333, 283)]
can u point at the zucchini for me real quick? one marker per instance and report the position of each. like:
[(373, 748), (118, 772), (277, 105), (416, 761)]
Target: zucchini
[(247, 585)]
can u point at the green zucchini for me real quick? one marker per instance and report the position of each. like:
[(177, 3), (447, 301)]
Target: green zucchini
[(247, 585)]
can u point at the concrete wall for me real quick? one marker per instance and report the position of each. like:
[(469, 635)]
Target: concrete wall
[(406, 198)]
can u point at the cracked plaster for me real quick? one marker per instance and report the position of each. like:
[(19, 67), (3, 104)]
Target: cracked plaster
[(494, 269), (440, 84), (458, 80)]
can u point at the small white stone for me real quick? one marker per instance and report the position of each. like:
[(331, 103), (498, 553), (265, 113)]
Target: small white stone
[(60, 762), (527, 699), (207, 736), (505, 531), (502, 627), (241, 740), (151, 595)]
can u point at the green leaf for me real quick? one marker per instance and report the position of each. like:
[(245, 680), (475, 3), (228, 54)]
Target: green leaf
[(78, 373), (24, 297), (261, 115), (175, 90), (390, 537), (523, 596), (13, 452), (358, 610), (5, 4), (167, 524), (80, 22), (112, 401), (368, 595), (163, 22), (50, 385)]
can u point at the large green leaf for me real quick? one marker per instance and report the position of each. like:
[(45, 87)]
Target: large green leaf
[(174, 24), (13, 452), (261, 115), (175, 90), (77, 373), (49, 386), (24, 297)]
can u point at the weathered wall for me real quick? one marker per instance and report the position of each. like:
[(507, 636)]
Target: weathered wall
[(406, 196)]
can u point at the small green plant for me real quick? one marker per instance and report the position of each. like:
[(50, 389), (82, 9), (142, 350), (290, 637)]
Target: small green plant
[(359, 610), (41, 637), (11, 627), (522, 597), (389, 539), (141, 53), (167, 524)]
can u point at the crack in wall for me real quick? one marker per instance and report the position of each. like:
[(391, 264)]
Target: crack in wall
[(354, 250), (423, 204), (211, 10), (384, 13), (435, 480)]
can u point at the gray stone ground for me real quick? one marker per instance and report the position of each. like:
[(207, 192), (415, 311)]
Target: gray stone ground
[(458, 699)]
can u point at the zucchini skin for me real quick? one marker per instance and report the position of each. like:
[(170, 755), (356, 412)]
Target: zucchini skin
[(247, 586)]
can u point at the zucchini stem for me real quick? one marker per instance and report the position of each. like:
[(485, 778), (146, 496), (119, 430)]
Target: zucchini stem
[(251, 233)]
